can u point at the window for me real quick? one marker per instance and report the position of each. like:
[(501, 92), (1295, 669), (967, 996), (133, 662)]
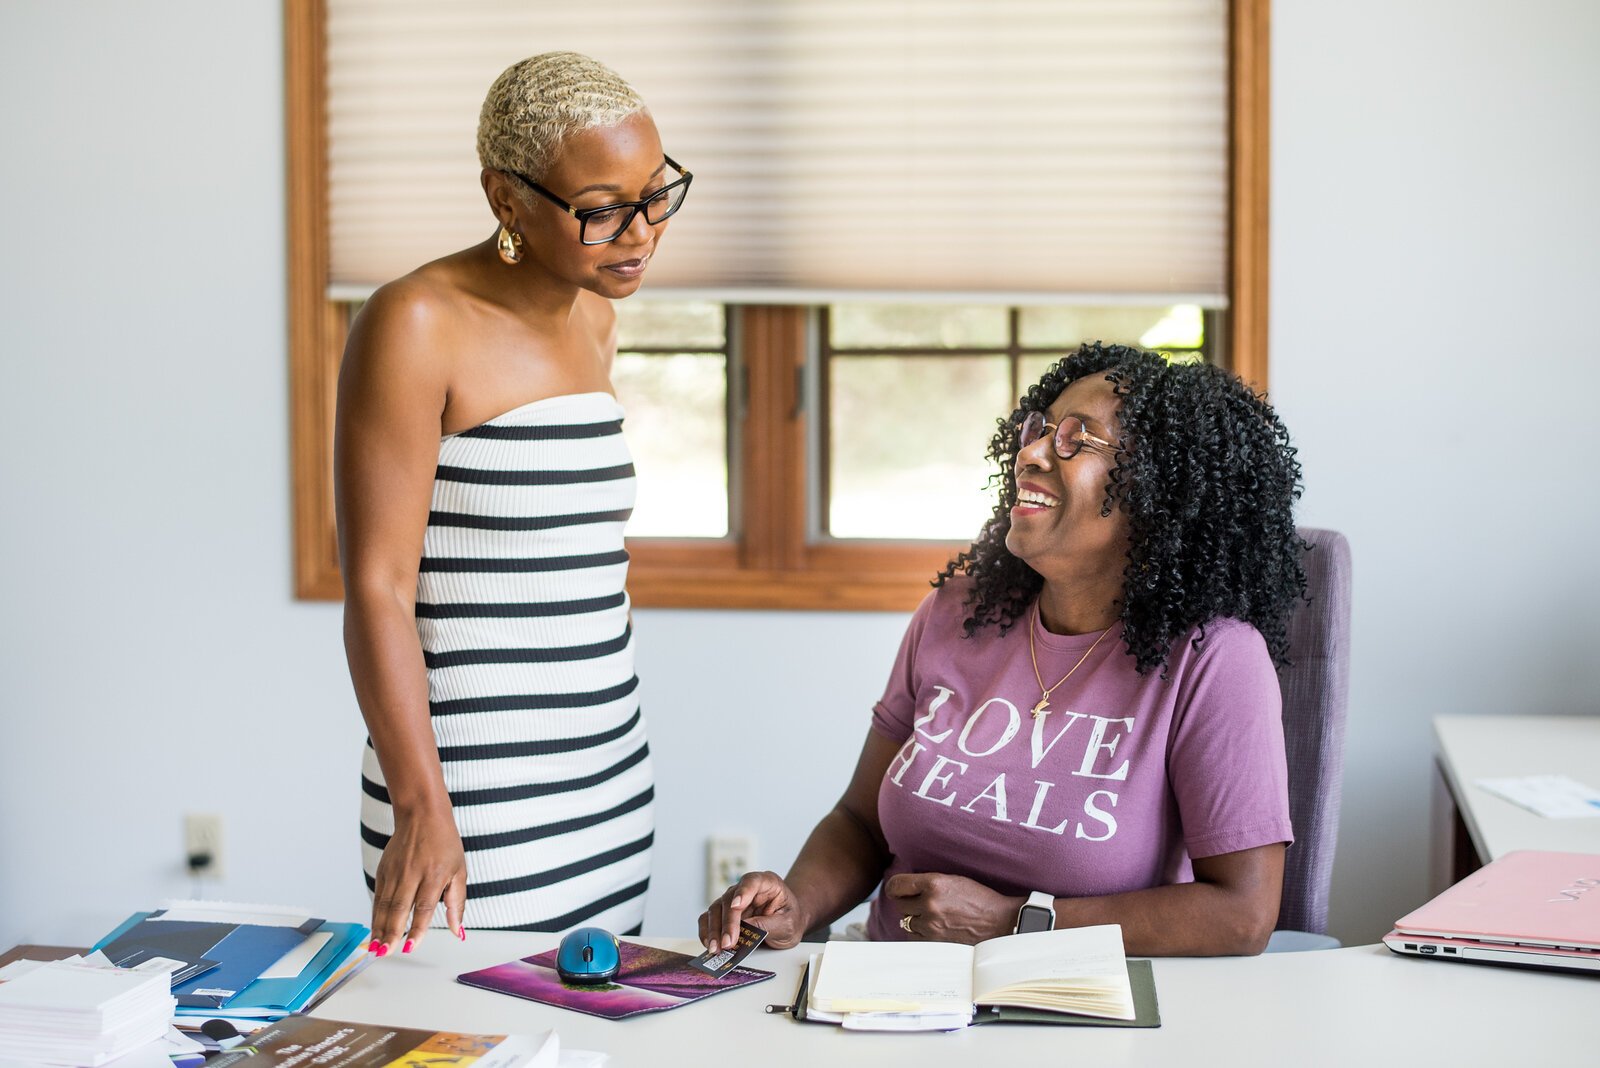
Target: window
[(771, 422), (671, 375), (909, 394)]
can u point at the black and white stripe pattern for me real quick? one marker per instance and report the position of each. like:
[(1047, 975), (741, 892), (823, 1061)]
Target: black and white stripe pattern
[(524, 626)]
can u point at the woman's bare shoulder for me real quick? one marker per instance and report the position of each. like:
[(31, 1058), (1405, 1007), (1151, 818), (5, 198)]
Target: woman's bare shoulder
[(407, 321), (420, 303), (400, 341)]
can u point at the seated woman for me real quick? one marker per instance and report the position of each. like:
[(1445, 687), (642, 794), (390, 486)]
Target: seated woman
[(1084, 718)]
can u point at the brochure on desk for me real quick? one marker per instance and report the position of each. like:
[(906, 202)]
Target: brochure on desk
[(1147, 1010), (305, 1041), (648, 980)]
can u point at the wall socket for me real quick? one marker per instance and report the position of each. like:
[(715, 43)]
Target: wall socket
[(728, 856), (202, 844)]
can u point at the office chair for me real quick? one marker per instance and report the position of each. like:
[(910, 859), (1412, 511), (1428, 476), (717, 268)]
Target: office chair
[(1316, 691)]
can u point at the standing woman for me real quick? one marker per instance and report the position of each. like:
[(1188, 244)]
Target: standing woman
[(482, 487)]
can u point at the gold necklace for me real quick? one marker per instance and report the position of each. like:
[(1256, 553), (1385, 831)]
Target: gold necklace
[(1044, 698)]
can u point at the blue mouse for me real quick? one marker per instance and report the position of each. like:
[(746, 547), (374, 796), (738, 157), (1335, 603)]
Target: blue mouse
[(588, 955)]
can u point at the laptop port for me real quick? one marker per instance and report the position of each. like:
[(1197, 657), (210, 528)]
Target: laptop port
[(1427, 949)]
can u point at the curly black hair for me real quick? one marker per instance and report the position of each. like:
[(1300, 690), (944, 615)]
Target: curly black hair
[(1208, 480)]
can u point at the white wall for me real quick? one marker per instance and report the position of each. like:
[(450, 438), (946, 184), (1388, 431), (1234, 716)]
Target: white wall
[(1434, 282), (153, 660), (1432, 265)]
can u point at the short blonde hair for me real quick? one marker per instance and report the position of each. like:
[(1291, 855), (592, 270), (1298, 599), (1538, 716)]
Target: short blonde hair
[(536, 104)]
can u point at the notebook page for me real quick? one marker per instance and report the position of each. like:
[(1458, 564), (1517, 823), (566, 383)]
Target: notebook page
[(1086, 958), (895, 977)]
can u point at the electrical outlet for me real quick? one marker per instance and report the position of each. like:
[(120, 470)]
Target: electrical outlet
[(728, 856), (202, 844)]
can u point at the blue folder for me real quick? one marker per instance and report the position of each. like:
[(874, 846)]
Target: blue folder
[(242, 952), (246, 952), (278, 997)]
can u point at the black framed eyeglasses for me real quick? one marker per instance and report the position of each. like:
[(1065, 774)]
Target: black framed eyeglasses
[(597, 226), (1070, 436)]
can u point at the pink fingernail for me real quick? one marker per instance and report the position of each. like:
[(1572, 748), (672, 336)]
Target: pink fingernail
[(463, 935), (383, 950), (374, 946), (409, 944)]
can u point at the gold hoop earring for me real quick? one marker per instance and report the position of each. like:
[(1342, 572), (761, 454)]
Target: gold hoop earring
[(509, 243)]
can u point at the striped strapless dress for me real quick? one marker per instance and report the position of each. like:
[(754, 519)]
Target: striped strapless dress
[(525, 632)]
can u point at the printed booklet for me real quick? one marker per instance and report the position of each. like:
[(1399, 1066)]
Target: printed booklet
[(316, 1043)]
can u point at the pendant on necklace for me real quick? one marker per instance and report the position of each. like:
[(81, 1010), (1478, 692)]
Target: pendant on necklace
[(1042, 707)]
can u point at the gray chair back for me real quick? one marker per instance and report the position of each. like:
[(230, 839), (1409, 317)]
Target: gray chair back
[(1316, 693)]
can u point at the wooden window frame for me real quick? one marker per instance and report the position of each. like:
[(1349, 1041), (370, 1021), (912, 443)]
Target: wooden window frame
[(770, 562), (1013, 351)]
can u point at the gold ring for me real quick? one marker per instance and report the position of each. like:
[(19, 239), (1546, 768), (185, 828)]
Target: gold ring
[(905, 925)]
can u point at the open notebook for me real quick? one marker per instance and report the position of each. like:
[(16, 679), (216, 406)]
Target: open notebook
[(1529, 907), (1068, 976)]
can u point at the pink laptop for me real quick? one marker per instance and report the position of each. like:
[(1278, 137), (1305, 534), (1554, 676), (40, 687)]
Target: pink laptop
[(1529, 907)]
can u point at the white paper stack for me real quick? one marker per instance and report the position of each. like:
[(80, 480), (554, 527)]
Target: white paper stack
[(80, 1013)]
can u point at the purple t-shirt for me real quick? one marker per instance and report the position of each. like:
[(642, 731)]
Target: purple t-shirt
[(1115, 788)]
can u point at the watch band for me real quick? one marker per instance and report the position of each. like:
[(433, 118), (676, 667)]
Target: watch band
[(1038, 913)]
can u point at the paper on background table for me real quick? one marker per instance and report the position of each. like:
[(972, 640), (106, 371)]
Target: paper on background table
[(1552, 796)]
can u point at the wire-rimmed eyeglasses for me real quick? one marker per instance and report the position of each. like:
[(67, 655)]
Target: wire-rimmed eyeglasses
[(1070, 436), (597, 226)]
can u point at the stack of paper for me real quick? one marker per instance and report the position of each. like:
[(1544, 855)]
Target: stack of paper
[(75, 1012), (239, 961)]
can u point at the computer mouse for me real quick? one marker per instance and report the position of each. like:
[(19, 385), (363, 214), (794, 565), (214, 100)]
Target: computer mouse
[(588, 955)]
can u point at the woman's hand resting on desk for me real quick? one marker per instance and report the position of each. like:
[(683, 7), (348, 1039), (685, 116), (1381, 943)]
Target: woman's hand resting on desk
[(422, 865), (951, 908), (763, 900)]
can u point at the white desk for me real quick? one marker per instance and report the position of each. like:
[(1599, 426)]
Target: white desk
[(1341, 1007), (1492, 747)]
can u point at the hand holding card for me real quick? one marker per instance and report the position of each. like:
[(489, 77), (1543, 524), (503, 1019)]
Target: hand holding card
[(724, 961), (760, 897)]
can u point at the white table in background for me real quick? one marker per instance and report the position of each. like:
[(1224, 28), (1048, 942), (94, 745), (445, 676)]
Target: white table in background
[(1358, 1006), (1497, 747)]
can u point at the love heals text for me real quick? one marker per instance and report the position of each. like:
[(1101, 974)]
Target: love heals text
[(1047, 773)]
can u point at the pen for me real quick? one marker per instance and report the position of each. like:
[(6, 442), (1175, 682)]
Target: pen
[(800, 989)]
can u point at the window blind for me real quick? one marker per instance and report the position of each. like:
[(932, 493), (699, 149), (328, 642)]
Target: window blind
[(1047, 150)]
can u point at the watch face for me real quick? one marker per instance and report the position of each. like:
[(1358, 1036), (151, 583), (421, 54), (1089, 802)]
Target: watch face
[(1031, 918)]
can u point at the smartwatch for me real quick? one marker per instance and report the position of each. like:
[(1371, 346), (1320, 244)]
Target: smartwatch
[(1038, 913)]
